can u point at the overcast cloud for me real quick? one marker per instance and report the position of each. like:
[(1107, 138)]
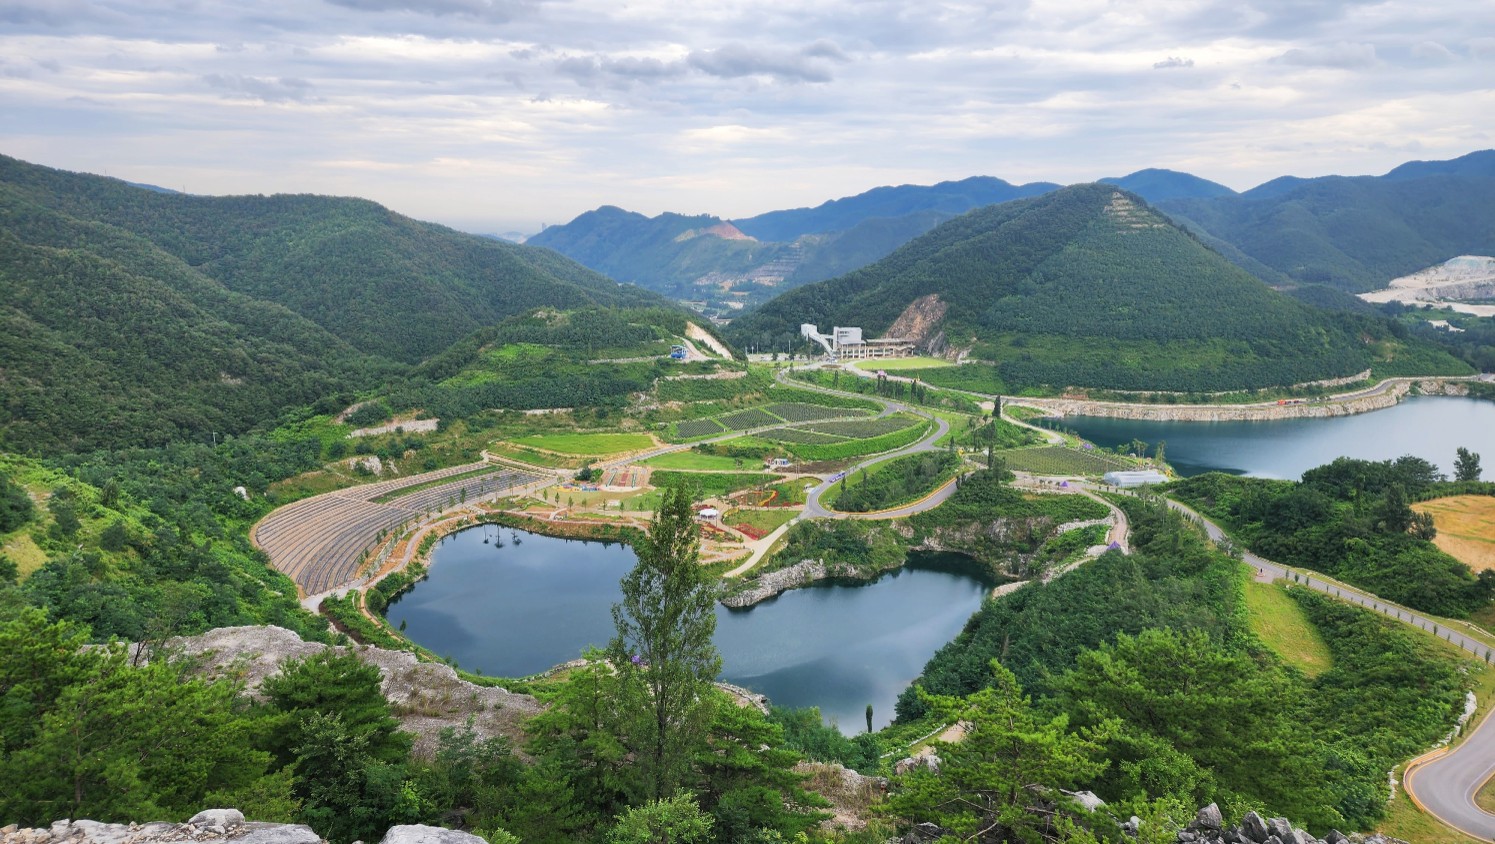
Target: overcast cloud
[(493, 115)]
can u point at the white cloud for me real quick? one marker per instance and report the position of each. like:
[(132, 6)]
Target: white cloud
[(556, 107)]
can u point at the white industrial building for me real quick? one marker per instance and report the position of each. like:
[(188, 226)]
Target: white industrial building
[(845, 343)]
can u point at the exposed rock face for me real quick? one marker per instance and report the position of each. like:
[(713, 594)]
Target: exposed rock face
[(1208, 828), (802, 573), (426, 697), (1388, 397), (851, 794), (210, 826), (920, 321), (421, 834)]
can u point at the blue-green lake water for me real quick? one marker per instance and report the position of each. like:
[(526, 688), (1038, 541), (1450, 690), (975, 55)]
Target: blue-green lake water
[(533, 601), (1426, 426)]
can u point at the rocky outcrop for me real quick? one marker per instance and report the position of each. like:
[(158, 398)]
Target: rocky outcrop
[(212, 826), (768, 585), (920, 321), (1209, 828), (851, 794), (1387, 395), (426, 697), (207, 827), (991, 543)]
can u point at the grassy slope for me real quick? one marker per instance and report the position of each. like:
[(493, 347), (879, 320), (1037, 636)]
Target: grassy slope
[(1282, 626)]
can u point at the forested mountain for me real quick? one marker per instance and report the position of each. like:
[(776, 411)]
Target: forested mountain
[(1156, 185), (1355, 233), (1085, 286), (385, 284), (835, 215), (137, 317), (664, 253)]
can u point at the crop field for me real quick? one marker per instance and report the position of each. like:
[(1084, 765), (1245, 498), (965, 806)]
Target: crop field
[(757, 523), (1060, 460), (745, 419), (798, 435), (319, 542), (864, 428), (588, 444), (695, 428), (800, 412), (1466, 528)]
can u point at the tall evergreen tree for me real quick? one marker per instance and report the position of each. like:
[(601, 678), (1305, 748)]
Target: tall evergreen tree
[(1466, 465), (663, 650)]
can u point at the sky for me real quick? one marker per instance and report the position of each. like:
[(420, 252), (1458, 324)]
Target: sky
[(506, 115)]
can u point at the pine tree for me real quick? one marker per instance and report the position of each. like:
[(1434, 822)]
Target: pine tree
[(663, 650), (1466, 465)]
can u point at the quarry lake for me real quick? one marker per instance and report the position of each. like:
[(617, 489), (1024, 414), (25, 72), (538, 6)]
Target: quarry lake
[(520, 607), (1426, 426)]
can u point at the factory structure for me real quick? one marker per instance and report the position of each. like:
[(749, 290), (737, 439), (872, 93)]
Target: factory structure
[(848, 344)]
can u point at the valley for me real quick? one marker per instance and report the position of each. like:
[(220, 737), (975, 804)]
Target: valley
[(470, 468)]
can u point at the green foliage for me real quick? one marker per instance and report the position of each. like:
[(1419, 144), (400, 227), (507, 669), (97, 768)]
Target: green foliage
[(170, 555), (334, 684), (708, 484), (1171, 579), (1355, 233), (1348, 519), (370, 413), (897, 482), (668, 820), (1466, 466), (16, 508), (347, 792), (982, 792), (90, 733), (663, 652), (864, 546), (805, 732)]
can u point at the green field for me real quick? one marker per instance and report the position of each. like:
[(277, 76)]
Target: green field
[(764, 520), (892, 364), (1060, 460), (1280, 623), (696, 460), (588, 444)]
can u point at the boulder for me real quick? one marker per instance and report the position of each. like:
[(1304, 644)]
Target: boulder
[(226, 818), (1209, 818), (422, 834), (1254, 828)]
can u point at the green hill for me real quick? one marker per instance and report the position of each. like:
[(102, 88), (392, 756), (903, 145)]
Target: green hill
[(385, 284), (136, 317), (1086, 286), (1355, 233), (1155, 185)]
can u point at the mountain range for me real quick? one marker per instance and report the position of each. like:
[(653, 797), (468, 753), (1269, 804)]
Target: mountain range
[(1084, 286), (1354, 233)]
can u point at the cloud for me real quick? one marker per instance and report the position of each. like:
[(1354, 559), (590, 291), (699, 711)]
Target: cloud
[(1482, 48), (259, 88), (1343, 55), (498, 11), (1172, 61), (1432, 51), (592, 69), (734, 60)]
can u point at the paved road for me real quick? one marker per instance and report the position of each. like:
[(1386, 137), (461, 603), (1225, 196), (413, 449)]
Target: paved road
[(1446, 786)]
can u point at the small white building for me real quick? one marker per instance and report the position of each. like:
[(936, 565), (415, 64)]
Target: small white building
[(708, 513), (1140, 477)]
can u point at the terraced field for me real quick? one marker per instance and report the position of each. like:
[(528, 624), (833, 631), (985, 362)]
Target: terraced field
[(799, 412), (863, 428), (694, 428), (742, 420), (1061, 460), (798, 435), (320, 541)]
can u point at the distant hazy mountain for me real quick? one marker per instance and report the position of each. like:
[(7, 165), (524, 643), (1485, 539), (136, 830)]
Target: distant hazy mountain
[(1156, 185), (134, 316), (1085, 286), (1356, 233), (840, 214)]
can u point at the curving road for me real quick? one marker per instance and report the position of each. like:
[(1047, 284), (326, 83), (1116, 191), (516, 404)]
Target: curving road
[(1446, 786)]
